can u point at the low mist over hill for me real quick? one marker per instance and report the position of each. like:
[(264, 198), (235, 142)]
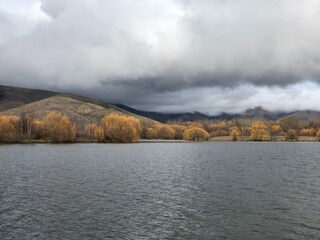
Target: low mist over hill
[(251, 113)]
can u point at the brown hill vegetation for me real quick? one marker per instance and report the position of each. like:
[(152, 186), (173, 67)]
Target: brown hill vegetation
[(79, 112)]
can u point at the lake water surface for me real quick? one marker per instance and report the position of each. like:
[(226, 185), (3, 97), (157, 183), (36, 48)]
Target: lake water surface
[(211, 190)]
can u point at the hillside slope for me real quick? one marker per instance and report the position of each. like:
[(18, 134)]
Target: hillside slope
[(12, 97), (306, 115), (80, 112)]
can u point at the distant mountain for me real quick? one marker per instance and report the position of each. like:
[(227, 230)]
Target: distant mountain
[(260, 113), (226, 116), (251, 113), (166, 117)]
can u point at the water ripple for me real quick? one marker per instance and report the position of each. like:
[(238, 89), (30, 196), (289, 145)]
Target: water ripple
[(160, 191)]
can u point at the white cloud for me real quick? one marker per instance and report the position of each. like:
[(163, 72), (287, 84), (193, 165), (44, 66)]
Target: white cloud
[(216, 100)]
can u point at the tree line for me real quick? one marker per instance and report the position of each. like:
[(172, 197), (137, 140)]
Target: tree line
[(289, 128), (115, 128)]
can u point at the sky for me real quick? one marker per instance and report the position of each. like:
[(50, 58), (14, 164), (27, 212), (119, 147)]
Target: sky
[(210, 56)]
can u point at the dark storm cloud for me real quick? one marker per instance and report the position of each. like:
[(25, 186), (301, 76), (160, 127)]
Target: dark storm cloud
[(172, 82), (134, 50)]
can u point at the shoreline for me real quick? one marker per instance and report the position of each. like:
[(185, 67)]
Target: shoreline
[(216, 139)]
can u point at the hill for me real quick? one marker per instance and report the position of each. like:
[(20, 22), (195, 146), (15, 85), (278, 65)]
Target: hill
[(12, 97), (261, 113), (79, 109), (308, 115)]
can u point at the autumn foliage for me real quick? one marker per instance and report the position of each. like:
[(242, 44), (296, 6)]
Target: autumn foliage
[(115, 128), (307, 132), (259, 131), (164, 131), (121, 129), (218, 129), (8, 128), (94, 132), (318, 135), (150, 133), (196, 134), (235, 133), (178, 131), (56, 127)]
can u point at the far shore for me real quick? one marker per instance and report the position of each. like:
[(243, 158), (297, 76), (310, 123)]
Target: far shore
[(162, 141), (214, 139), (275, 139)]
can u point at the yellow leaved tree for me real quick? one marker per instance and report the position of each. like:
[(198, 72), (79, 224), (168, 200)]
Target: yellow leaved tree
[(94, 132), (121, 129), (259, 131), (235, 133), (306, 132), (8, 128), (164, 131), (150, 133), (56, 127), (196, 134), (178, 130)]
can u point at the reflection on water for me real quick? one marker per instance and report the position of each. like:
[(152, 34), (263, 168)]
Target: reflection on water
[(160, 191)]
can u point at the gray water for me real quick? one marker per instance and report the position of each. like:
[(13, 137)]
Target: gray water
[(213, 190)]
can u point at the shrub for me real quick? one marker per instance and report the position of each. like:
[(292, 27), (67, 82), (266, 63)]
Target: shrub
[(164, 131), (178, 131), (8, 128), (318, 135), (57, 127), (292, 134), (150, 133), (94, 132), (306, 132), (196, 134), (121, 129), (259, 131), (235, 133)]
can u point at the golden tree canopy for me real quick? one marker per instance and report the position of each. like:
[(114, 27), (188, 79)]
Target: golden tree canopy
[(150, 133), (196, 134), (57, 127), (276, 128), (94, 132), (8, 128), (164, 131), (259, 131), (235, 133), (306, 132), (178, 130), (121, 129)]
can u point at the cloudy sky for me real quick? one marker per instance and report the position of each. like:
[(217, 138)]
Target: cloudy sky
[(168, 55)]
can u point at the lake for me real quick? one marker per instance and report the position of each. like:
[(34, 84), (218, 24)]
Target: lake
[(207, 190)]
